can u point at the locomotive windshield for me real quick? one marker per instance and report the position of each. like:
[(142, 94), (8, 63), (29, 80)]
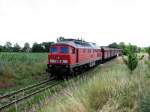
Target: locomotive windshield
[(64, 50), (53, 50)]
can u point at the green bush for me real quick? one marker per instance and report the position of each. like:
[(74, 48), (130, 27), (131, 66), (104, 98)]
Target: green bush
[(132, 59)]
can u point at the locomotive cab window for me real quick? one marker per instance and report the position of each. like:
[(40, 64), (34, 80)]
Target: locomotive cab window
[(64, 50), (53, 50)]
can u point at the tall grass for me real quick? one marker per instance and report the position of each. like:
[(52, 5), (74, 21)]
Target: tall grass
[(22, 57), (20, 69), (111, 89)]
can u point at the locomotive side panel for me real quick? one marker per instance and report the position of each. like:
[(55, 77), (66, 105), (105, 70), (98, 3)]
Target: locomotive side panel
[(89, 55)]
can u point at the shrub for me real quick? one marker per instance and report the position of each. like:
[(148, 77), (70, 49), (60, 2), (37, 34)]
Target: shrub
[(132, 59)]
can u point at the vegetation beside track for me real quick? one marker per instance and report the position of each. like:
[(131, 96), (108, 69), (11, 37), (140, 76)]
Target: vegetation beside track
[(21, 69), (111, 89)]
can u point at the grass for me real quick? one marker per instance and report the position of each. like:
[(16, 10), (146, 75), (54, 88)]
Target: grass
[(20, 69), (107, 88), (110, 89)]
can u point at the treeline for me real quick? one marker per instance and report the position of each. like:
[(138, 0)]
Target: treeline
[(125, 47), (44, 47), (132, 59), (36, 47)]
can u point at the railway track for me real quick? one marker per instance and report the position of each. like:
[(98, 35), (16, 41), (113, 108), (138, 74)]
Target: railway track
[(15, 97), (25, 93)]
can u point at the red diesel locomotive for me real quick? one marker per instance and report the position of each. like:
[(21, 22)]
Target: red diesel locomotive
[(71, 55)]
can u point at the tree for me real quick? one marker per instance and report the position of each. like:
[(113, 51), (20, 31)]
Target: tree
[(122, 45), (125, 48), (1, 48), (60, 39), (114, 45), (16, 48), (46, 46), (135, 48), (143, 49), (148, 50), (26, 47), (139, 49), (8, 47), (37, 47), (8, 44)]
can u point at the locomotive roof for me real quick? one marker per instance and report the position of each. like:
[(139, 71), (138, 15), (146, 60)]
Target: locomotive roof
[(78, 44)]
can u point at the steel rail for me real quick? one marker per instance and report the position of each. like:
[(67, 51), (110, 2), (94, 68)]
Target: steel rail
[(27, 96), (24, 89)]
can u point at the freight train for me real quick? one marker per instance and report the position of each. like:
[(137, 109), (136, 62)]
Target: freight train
[(69, 56)]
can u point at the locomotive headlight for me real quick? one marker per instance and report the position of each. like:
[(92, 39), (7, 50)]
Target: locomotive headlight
[(65, 61)]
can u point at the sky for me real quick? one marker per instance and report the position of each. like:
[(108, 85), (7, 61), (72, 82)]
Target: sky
[(99, 21)]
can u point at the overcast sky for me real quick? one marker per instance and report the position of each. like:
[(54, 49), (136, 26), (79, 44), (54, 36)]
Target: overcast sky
[(99, 21)]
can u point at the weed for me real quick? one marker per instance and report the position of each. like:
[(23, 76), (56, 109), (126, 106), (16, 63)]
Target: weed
[(21, 69)]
